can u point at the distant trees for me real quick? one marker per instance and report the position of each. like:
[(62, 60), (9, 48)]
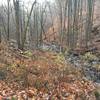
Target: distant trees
[(89, 23), (5, 19), (37, 24), (27, 24), (78, 16), (62, 14), (2, 24), (21, 37), (75, 21), (34, 27)]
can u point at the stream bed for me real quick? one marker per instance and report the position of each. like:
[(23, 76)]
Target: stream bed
[(89, 68)]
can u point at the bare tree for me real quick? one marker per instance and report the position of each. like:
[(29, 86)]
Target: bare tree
[(89, 24), (8, 19), (0, 35), (18, 34)]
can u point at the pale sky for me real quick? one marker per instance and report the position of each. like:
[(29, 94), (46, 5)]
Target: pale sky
[(26, 1)]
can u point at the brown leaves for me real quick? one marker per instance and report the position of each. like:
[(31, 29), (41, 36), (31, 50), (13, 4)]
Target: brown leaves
[(47, 76), (64, 90)]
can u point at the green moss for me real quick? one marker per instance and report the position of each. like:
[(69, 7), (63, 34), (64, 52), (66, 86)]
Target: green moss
[(59, 58), (28, 53), (89, 56), (97, 95), (13, 98), (38, 84)]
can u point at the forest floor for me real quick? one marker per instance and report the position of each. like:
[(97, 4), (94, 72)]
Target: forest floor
[(47, 75)]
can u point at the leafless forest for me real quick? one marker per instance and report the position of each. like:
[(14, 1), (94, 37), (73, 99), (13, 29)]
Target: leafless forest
[(50, 50)]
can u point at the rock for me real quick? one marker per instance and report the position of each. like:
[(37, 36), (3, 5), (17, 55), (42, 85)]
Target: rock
[(90, 67), (2, 75)]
